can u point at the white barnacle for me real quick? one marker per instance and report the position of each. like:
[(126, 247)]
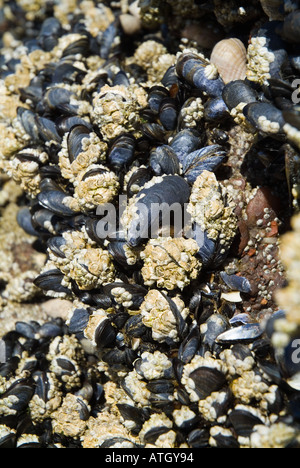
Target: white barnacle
[(267, 125), (182, 415), (137, 388), (157, 314), (154, 365), (211, 207), (95, 188), (259, 60), (155, 420), (211, 71), (170, 263), (248, 387), (278, 435), (292, 133), (122, 296), (235, 365)]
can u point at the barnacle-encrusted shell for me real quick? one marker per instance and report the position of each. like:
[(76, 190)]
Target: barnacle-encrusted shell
[(157, 420), (99, 188), (104, 427), (157, 315), (154, 58), (154, 365), (278, 435), (208, 208), (230, 58), (91, 268), (115, 109), (192, 113), (196, 363), (26, 173), (67, 420), (151, 353), (93, 151), (170, 263)]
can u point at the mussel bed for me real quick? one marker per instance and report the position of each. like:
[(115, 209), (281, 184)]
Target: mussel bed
[(120, 328)]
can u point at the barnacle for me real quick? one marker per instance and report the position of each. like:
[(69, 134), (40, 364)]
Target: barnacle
[(278, 435), (93, 151), (106, 427), (211, 207), (96, 187), (157, 314), (26, 172), (115, 110), (259, 60), (91, 268), (67, 419), (154, 58), (170, 263)]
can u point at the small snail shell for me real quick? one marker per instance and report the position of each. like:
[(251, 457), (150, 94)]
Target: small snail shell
[(230, 58)]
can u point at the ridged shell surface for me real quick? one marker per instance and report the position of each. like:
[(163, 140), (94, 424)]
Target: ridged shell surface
[(230, 58)]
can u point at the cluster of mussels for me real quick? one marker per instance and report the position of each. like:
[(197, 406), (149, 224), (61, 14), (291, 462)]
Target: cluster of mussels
[(174, 340)]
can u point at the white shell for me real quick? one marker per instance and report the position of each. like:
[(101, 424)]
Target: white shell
[(230, 58)]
